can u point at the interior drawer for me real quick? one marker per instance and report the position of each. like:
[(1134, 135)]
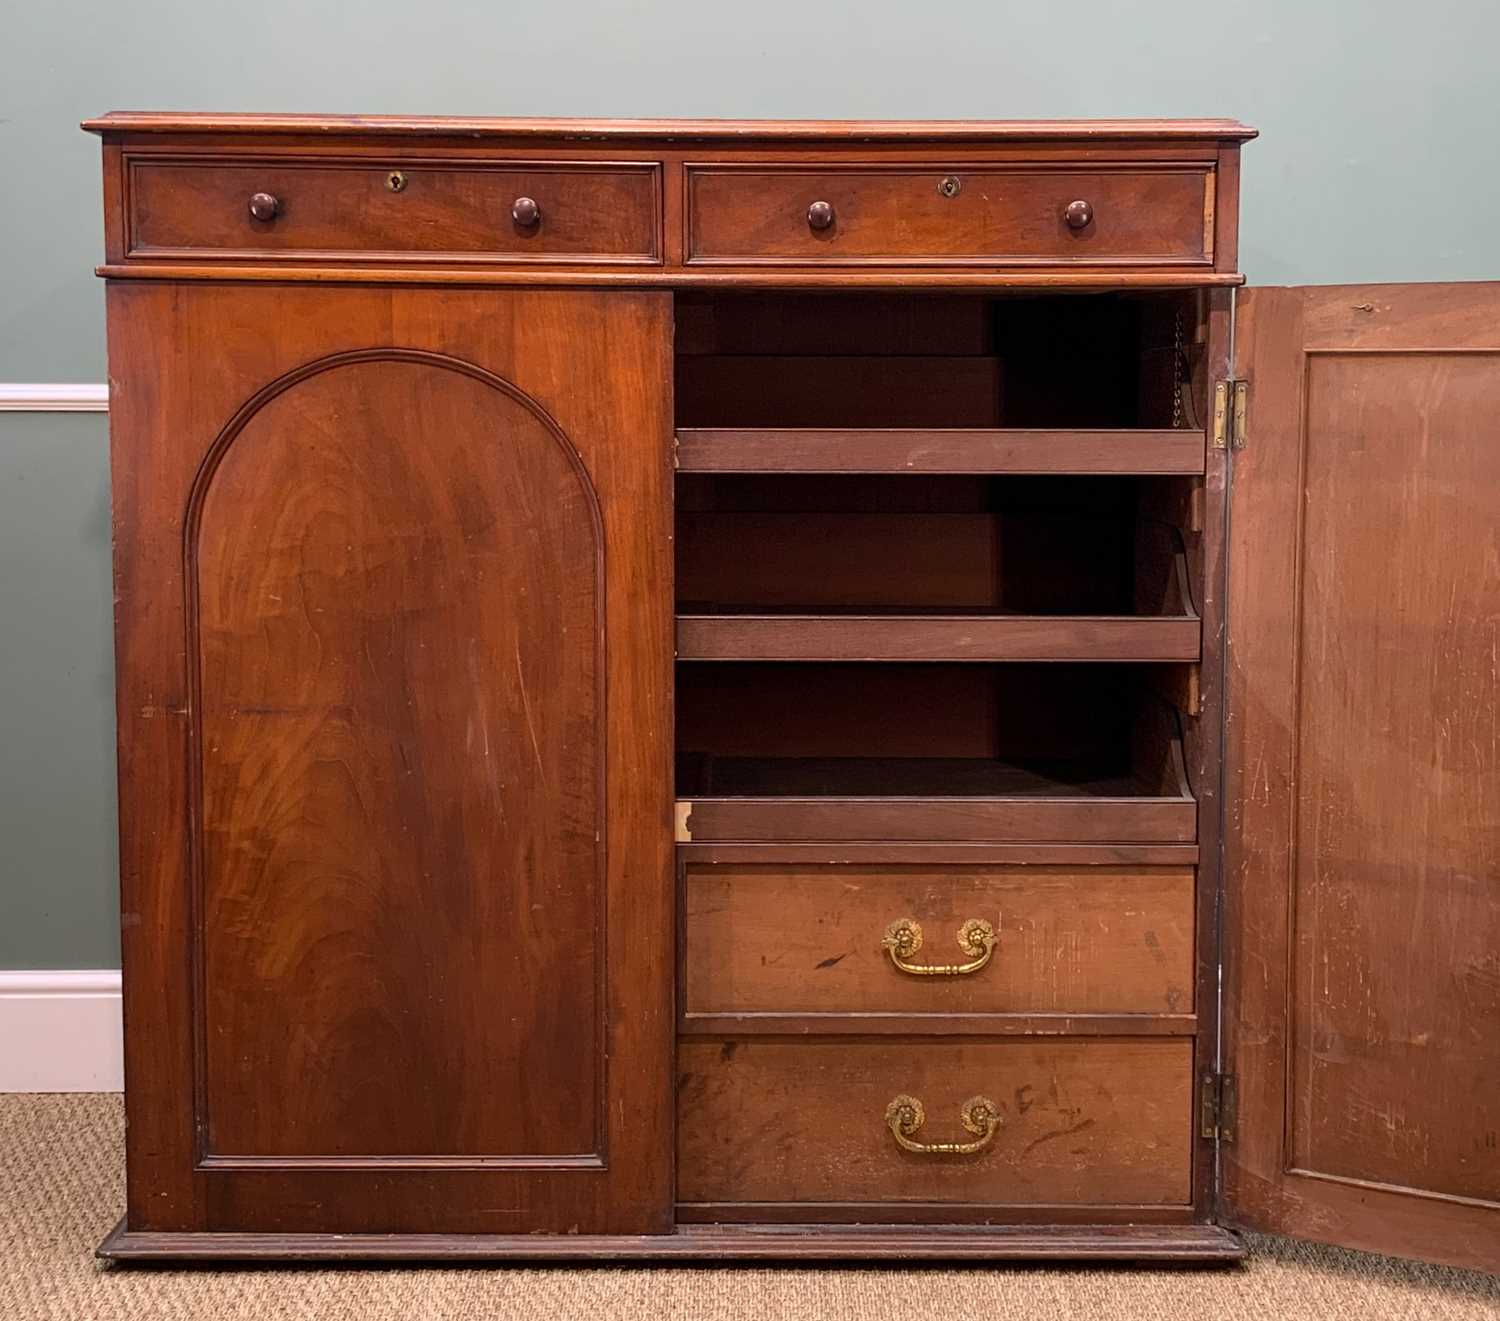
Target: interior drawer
[(915, 215), (1099, 1123), (806, 938), (395, 211)]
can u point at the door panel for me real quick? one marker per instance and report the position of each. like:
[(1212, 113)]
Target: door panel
[(399, 628), (1362, 1014), (416, 542)]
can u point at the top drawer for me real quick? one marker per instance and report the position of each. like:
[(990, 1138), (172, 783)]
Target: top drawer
[(604, 213), (925, 215)]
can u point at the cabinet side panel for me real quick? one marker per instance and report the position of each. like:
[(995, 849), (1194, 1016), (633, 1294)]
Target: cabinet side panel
[(152, 462)]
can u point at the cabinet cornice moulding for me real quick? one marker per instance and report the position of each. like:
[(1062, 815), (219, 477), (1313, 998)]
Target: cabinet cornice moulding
[(88, 397)]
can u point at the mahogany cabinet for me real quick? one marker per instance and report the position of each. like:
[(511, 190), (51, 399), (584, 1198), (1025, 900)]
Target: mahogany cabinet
[(752, 690)]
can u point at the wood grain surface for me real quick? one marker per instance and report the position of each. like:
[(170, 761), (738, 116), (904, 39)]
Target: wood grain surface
[(1094, 1122), (607, 213), (393, 662), (1024, 130), (1363, 919), (400, 639), (904, 217), (953, 450), (783, 938)]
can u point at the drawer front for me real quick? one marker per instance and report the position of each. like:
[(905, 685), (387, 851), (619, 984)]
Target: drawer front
[(405, 211), (912, 216), (1105, 1122), (807, 938)]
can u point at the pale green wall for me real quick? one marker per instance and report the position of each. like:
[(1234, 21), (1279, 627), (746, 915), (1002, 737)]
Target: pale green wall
[(57, 749), (1378, 161)]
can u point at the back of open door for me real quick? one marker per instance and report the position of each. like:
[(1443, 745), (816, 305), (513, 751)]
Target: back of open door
[(1362, 921)]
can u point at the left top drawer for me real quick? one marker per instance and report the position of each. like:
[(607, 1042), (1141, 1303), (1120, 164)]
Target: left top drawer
[(395, 211)]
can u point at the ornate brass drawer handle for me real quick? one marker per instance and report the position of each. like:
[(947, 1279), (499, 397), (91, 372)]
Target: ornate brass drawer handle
[(903, 938), (904, 1116)]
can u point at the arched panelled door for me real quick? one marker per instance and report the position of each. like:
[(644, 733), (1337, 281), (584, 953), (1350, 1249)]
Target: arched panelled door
[(402, 801)]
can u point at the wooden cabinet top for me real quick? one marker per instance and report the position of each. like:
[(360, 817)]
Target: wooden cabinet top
[(769, 131)]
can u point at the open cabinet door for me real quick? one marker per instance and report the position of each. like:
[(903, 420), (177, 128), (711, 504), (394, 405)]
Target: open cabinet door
[(1362, 868)]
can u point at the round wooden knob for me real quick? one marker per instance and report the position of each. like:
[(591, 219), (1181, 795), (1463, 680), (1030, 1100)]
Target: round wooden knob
[(264, 206), (1079, 214), (525, 212), (820, 215)]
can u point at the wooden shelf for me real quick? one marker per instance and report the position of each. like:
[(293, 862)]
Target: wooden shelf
[(999, 820), (905, 450), (794, 799), (896, 635)]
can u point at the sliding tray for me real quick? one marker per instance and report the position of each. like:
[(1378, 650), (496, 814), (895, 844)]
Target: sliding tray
[(927, 753), (940, 450), (935, 568), (1017, 805), (748, 633)]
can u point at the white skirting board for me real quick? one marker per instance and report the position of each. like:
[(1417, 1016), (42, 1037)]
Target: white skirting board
[(89, 398), (60, 1031)]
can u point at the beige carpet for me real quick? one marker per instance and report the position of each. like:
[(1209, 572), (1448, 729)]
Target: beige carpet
[(61, 1188)]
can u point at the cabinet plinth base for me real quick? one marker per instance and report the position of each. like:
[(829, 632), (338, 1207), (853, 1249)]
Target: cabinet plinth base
[(1183, 1243)]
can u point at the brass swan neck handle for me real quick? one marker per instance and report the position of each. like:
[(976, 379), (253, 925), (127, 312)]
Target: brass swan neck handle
[(905, 1115), (903, 938)]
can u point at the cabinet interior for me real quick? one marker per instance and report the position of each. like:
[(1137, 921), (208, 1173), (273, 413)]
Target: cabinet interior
[(774, 557), (1126, 360), (768, 730), (1036, 545)]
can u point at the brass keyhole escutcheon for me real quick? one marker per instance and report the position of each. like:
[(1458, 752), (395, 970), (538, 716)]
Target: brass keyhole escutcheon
[(395, 181), (950, 185)]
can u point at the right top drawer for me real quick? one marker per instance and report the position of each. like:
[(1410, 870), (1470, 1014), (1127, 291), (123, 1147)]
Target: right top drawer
[(905, 215)]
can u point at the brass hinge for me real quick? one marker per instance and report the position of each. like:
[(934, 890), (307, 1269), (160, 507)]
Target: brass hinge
[(1231, 400), (1216, 1106)]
